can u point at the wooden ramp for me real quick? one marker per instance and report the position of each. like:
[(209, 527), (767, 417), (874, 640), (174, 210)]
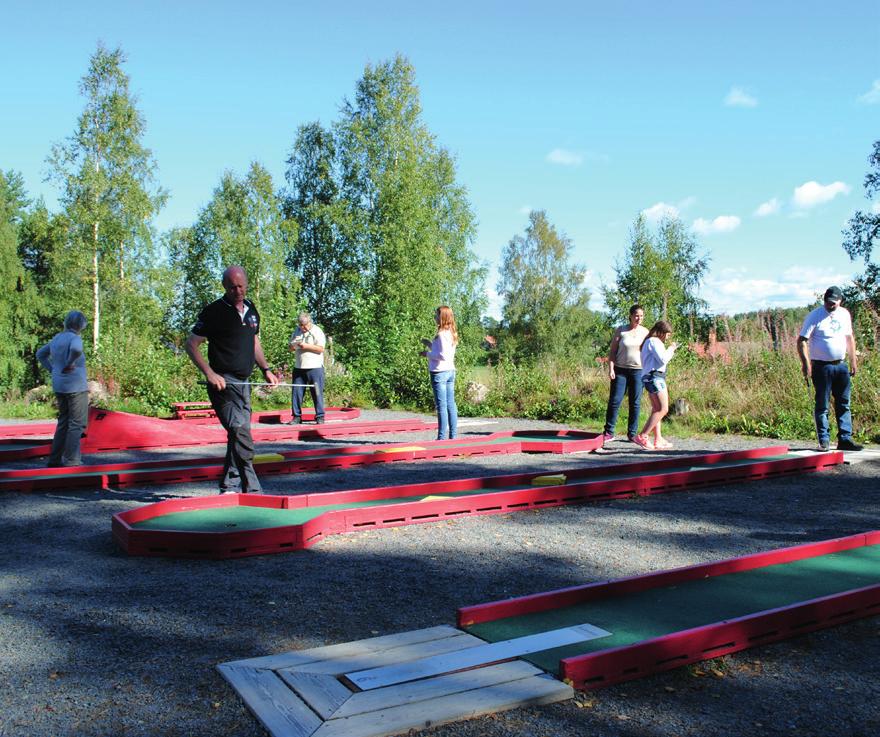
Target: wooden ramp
[(412, 680)]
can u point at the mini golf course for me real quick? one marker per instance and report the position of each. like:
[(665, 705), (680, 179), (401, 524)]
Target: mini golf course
[(112, 431), (238, 525), (668, 619), (112, 475), (190, 413), (591, 636)]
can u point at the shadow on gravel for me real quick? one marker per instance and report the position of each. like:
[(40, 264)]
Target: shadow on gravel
[(132, 641)]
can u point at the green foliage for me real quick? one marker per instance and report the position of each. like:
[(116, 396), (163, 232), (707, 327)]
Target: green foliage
[(662, 272), (545, 302), (407, 225), (860, 235), (18, 313), (109, 196), (327, 269)]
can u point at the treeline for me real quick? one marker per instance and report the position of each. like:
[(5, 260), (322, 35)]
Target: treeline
[(370, 231)]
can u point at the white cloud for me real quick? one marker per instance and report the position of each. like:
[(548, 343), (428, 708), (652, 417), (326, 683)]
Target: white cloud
[(564, 157), (872, 96), (738, 97), (721, 224), (770, 207), (739, 290), (811, 194), (656, 213), (525, 210)]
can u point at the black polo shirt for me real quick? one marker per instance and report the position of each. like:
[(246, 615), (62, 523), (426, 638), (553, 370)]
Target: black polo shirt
[(230, 337)]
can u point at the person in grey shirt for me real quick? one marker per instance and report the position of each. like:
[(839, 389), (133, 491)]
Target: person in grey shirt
[(64, 357)]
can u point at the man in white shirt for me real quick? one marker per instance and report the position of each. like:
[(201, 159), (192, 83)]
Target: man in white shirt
[(308, 343), (828, 330)]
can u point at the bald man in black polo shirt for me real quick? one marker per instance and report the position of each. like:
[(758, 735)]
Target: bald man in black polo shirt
[(231, 325)]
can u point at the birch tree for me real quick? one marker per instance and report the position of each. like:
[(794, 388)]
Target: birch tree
[(107, 178)]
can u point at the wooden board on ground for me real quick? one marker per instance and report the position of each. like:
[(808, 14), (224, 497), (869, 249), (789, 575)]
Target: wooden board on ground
[(472, 657), (304, 694)]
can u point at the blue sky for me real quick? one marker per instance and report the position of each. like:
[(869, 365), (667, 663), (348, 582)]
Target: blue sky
[(750, 121)]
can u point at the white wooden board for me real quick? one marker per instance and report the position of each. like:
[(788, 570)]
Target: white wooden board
[(475, 656)]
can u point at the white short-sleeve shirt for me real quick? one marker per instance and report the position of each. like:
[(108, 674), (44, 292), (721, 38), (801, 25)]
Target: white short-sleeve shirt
[(827, 333), (309, 359)]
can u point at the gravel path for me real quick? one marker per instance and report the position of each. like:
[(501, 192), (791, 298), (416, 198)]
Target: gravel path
[(93, 642)]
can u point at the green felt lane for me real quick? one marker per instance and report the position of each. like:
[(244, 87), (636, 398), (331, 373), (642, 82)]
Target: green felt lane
[(234, 518), (226, 519), (656, 612)]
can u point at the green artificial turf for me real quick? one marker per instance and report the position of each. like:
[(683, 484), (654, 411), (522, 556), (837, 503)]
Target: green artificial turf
[(661, 611), (234, 518)]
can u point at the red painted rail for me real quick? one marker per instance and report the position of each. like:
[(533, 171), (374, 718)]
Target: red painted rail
[(172, 471), (648, 477), (616, 665), (109, 431), (200, 413)]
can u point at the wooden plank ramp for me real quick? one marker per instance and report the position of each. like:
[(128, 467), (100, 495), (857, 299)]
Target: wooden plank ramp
[(309, 693)]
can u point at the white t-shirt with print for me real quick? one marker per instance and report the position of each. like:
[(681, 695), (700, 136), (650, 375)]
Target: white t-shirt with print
[(827, 333)]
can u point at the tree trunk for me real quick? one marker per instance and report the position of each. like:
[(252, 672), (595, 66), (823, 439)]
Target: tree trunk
[(96, 293), (121, 286)]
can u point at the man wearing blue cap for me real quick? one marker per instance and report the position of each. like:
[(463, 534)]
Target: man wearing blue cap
[(828, 330)]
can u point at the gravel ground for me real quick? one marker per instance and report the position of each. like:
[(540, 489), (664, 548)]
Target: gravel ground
[(93, 642)]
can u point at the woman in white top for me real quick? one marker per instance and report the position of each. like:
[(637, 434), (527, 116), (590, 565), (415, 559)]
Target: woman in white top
[(441, 365), (65, 358), (625, 373), (655, 355)]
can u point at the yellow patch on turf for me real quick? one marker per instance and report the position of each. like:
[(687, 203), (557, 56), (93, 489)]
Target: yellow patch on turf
[(402, 449), (434, 498), (268, 457), (555, 479)]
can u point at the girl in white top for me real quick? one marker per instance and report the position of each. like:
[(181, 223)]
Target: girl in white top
[(441, 367), (655, 355)]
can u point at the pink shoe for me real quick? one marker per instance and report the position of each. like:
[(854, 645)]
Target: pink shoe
[(643, 442)]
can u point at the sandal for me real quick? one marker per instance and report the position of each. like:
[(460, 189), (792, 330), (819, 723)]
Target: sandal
[(643, 442)]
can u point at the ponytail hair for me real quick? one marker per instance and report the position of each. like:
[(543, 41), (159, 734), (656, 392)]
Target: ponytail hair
[(661, 327), (446, 321)]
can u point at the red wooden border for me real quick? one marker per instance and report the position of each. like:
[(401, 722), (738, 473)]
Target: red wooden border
[(47, 429), (605, 668), (206, 469), (108, 431), (605, 589), (613, 666), (493, 501)]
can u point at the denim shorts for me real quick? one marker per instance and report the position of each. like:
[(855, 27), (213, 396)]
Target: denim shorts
[(654, 382)]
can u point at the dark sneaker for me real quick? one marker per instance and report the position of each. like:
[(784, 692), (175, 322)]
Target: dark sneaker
[(319, 420), (822, 447), (294, 421), (848, 445)]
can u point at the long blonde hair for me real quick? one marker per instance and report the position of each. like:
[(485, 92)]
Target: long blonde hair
[(446, 321)]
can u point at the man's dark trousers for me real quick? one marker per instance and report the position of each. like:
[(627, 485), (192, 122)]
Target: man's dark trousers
[(233, 408)]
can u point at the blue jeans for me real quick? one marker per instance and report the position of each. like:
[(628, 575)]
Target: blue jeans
[(308, 376), (443, 384), (626, 381), (832, 379)]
